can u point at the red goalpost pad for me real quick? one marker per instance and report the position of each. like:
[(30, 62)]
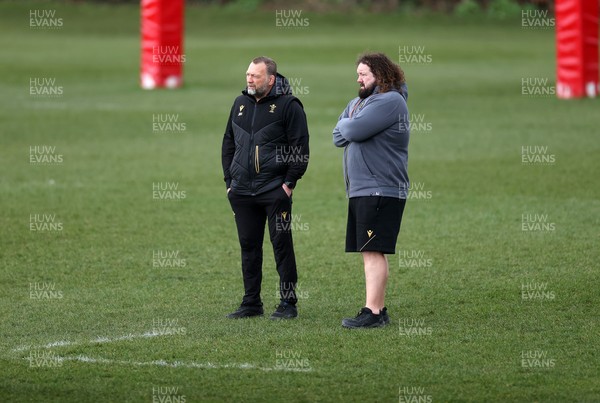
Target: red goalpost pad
[(576, 48), (162, 43)]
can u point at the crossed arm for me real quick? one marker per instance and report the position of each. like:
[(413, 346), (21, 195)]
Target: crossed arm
[(374, 117)]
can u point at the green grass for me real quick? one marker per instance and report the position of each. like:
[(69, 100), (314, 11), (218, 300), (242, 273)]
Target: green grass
[(470, 228)]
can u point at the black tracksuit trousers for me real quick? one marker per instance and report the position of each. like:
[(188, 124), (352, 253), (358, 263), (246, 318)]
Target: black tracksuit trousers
[(251, 212)]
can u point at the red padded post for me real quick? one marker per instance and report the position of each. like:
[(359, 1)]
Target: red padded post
[(576, 48), (162, 43)]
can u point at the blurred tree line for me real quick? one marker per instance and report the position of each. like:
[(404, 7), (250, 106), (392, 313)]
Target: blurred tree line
[(446, 6)]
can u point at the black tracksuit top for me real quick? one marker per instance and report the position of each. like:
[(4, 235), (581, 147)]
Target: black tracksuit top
[(265, 142)]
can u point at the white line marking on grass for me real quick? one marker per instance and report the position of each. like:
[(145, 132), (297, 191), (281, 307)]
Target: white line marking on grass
[(97, 340), (160, 363), (58, 344), (178, 364)]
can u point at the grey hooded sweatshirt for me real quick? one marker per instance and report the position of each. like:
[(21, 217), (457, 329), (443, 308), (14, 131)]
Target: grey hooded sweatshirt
[(374, 133)]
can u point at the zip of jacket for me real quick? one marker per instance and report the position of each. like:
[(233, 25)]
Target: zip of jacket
[(256, 161), (256, 167)]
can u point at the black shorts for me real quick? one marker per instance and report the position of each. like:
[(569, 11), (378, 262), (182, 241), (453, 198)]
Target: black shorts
[(374, 224)]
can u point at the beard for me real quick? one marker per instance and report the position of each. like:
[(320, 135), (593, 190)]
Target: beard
[(366, 91), (258, 92)]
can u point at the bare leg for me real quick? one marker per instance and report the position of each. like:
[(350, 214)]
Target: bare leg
[(376, 275)]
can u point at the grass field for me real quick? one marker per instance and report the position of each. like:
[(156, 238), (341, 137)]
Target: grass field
[(493, 295)]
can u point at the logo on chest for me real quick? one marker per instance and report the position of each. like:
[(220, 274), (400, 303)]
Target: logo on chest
[(272, 108), (240, 113)]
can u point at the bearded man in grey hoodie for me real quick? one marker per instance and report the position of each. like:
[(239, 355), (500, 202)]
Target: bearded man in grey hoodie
[(374, 132)]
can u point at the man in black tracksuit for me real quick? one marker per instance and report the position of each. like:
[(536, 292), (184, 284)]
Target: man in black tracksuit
[(264, 153)]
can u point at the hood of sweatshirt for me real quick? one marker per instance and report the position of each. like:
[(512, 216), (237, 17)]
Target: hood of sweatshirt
[(402, 91)]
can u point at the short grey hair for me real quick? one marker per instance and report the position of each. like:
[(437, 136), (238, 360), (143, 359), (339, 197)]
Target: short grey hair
[(270, 63)]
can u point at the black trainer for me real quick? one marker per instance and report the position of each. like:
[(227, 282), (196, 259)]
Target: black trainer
[(384, 315), (285, 310), (246, 311), (365, 318)]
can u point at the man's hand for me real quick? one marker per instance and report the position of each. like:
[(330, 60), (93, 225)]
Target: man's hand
[(288, 191)]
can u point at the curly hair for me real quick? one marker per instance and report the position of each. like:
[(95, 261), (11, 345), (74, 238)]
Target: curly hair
[(388, 74)]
